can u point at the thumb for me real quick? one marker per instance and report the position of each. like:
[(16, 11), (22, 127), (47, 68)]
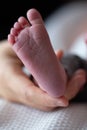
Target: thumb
[(59, 54)]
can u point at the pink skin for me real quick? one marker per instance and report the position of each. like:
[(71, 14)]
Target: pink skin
[(31, 43), (85, 39)]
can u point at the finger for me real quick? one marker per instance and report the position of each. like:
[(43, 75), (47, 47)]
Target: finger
[(59, 54), (75, 84)]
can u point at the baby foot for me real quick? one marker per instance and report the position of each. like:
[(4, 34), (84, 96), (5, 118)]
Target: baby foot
[(31, 43)]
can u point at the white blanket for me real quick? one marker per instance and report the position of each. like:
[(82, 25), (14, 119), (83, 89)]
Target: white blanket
[(19, 117)]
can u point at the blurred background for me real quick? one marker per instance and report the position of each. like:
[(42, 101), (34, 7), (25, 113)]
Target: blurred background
[(11, 10)]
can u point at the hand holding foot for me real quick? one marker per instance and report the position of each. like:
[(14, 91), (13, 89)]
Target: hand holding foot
[(15, 85), (20, 89), (31, 43)]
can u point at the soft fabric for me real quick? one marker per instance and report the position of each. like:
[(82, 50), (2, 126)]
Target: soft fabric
[(19, 117)]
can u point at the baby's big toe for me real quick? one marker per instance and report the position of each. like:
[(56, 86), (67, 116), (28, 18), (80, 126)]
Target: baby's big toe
[(34, 17)]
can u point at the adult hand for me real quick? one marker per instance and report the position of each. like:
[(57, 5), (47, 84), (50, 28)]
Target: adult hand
[(16, 86)]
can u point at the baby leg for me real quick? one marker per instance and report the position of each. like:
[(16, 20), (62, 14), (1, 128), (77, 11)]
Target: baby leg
[(31, 43)]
